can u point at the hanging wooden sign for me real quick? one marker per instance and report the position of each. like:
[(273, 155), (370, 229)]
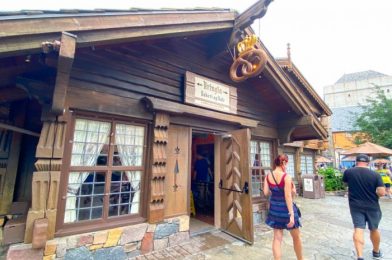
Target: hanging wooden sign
[(250, 61), (204, 92)]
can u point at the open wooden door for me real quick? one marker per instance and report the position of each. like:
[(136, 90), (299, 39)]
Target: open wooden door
[(235, 186)]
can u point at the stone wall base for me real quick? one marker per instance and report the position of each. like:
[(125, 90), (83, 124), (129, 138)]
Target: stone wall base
[(119, 243)]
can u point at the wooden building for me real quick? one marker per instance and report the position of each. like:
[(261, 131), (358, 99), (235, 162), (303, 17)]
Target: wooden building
[(302, 154), (103, 115)]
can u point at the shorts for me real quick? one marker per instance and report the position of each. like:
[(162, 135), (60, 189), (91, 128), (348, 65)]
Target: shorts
[(362, 216), (387, 185)]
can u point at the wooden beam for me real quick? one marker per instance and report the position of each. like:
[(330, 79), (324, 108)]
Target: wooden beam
[(64, 67), (245, 19), (18, 130), (177, 108), (28, 44), (95, 101), (46, 24)]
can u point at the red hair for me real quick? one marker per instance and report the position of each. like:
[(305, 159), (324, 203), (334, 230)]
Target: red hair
[(280, 160)]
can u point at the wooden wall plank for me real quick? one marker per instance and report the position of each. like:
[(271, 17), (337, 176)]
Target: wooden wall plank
[(101, 102), (157, 69)]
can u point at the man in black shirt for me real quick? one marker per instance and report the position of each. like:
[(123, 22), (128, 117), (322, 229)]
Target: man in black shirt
[(364, 189)]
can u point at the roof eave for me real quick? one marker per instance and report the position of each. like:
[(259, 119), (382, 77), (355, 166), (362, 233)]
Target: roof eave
[(26, 36), (284, 63)]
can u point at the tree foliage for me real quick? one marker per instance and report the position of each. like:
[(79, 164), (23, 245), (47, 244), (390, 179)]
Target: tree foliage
[(376, 119)]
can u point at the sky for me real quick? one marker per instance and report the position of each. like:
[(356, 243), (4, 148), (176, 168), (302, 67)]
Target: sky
[(328, 38)]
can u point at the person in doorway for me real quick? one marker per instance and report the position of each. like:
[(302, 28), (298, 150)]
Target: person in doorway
[(364, 189), (202, 176), (385, 176), (283, 214)]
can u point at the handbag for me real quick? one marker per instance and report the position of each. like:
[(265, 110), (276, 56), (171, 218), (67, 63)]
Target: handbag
[(294, 204)]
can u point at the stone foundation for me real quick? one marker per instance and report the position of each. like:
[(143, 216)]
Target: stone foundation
[(115, 244)]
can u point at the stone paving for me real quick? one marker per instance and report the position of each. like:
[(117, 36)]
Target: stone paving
[(326, 233)]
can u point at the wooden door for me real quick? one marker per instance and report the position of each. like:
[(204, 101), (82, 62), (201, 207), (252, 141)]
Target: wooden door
[(177, 175), (235, 186)]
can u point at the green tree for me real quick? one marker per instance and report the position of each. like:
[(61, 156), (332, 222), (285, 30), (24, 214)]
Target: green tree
[(376, 119)]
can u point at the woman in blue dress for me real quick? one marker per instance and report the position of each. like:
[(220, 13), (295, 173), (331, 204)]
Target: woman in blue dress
[(282, 212)]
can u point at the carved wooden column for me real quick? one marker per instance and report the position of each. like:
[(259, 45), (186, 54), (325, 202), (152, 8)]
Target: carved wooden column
[(46, 180), (50, 149), (159, 168)]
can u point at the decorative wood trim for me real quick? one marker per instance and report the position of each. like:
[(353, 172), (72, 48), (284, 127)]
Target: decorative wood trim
[(157, 104), (40, 190), (54, 186), (46, 181), (45, 165), (52, 135), (159, 168)]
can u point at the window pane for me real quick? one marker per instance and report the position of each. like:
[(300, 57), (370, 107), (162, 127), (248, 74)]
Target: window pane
[(254, 156), (265, 154), (84, 196), (303, 164), (256, 182), (309, 164), (129, 147), (90, 143), (124, 192), (290, 166)]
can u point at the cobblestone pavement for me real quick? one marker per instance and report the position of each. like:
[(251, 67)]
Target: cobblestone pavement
[(326, 233)]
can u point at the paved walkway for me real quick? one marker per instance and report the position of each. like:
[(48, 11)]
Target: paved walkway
[(326, 233)]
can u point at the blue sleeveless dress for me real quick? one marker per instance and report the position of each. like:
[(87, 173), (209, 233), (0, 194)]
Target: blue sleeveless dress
[(278, 215)]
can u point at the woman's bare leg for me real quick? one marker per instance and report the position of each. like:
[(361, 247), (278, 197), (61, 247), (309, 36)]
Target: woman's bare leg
[(296, 235), (277, 244)]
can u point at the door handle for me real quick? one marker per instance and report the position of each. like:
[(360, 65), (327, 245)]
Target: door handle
[(245, 189)]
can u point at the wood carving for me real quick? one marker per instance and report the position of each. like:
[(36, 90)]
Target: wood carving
[(159, 167), (52, 135), (40, 190), (236, 207), (250, 61)]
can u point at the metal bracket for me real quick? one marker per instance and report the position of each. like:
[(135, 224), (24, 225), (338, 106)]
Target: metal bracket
[(245, 189)]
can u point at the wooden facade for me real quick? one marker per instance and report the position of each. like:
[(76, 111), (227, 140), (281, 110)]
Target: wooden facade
[(130, 70)]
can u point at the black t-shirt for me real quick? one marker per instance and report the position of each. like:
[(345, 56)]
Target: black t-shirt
[(362, 184)]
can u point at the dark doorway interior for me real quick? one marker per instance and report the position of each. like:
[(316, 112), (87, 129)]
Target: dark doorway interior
[(202, 181)]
